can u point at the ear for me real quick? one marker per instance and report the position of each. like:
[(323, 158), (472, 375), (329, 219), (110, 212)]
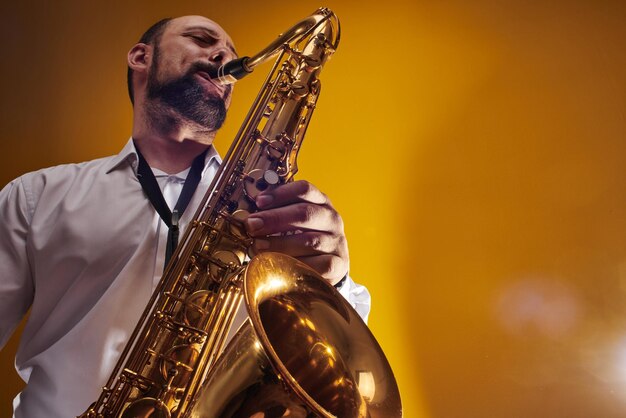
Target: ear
[(140, 57)]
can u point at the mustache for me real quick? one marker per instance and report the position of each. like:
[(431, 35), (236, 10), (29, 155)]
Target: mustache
[(209, 69), (202, 66)]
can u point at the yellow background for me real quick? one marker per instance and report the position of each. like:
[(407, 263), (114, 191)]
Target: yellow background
[(475, 149)]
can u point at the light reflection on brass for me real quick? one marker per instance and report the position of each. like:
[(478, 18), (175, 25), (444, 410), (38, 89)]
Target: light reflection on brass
[(367, 385)]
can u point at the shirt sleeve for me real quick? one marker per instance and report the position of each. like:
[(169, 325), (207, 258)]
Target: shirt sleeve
[(357, 296), (16, 285)]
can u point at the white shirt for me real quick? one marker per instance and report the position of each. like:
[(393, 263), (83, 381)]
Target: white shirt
[(82, 246)]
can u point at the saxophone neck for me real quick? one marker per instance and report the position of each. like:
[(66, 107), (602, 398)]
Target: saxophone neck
[(323, 26)]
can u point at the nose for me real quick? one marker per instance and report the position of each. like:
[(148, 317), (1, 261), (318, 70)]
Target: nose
[(216, 57), (219, 56)]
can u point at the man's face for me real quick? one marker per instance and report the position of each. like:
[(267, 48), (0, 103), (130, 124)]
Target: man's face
[(189, 49)]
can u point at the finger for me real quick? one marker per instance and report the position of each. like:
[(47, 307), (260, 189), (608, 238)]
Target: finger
[(303, 244), (305, 216), (331, 267), (293, 192)]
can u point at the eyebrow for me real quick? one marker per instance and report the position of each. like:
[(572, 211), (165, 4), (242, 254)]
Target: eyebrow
[(214, 34)]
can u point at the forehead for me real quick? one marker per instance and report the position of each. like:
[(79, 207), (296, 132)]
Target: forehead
[(182, 24)]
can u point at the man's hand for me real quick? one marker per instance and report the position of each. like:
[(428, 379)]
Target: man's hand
[(300, 206)]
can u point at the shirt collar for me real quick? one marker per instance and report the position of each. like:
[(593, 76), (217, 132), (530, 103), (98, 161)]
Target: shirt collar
[(129, 154)]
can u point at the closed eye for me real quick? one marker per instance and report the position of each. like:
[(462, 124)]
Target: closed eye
[(204, 39)]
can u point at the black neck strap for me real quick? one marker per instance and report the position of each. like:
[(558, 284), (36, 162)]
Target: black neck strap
[(152, 190)]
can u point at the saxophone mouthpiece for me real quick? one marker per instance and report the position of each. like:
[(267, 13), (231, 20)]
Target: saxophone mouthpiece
[(232, 71)]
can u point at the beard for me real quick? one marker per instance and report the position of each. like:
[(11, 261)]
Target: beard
[(187, 98)]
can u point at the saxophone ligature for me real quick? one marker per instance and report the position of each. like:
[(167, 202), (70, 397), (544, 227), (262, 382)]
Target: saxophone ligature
[(303, 351)]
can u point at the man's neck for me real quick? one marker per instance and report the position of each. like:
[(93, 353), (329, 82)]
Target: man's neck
[(172, 151)]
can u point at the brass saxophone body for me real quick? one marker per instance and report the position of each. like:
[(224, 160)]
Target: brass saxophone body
[(303, 351)]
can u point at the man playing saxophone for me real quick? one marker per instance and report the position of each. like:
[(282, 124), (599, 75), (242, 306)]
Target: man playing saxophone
[(84, 245)]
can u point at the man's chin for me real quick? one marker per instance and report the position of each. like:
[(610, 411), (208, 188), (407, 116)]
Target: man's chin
[(209, 117)]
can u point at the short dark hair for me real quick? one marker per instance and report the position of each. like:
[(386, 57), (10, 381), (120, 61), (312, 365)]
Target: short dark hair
[(151, 36)]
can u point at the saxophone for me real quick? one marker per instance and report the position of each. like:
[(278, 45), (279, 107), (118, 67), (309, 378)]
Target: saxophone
[(303, 351)]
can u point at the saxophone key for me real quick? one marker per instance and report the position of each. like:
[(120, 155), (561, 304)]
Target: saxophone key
[(259, 180), (222, 261), (146, 407), (198, 308), (237, 220), (179, 362), (299, 89)]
